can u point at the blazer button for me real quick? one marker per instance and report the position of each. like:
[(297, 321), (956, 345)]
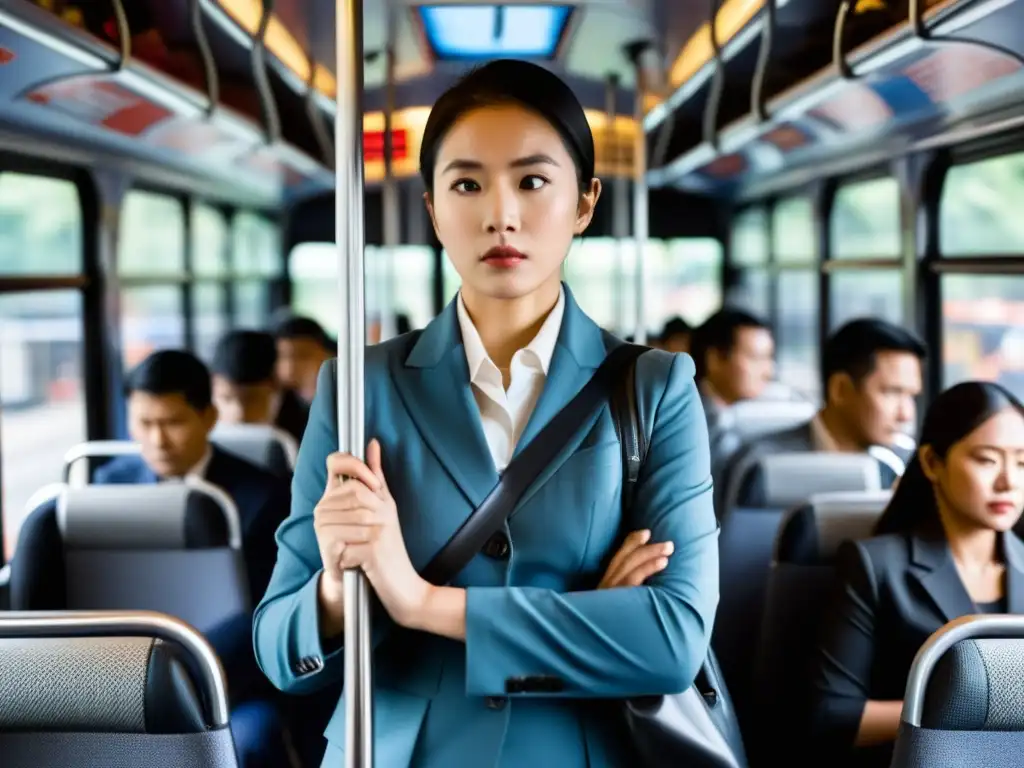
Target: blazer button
[(496, 702), (496, 547)]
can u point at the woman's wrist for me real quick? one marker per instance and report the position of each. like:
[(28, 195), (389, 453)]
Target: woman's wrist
[(439, 611)]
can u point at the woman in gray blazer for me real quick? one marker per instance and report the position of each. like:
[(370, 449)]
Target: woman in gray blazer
[(944, 548)]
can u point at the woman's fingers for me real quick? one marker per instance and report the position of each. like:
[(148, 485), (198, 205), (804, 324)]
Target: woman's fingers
[(639, 564), (345, 465)]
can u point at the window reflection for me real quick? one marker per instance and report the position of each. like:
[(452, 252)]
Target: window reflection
[(151, 238), (210, 314), (796, 330), (793, 231), (749, 239), (42, 398), (979, 211), (983, 329), (40, 226), (866, 220), (151, 319), (865, 293)]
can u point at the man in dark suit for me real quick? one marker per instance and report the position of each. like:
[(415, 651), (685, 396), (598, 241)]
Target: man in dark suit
[(734, 354), (871, 376), (170, 415), (245, 385)]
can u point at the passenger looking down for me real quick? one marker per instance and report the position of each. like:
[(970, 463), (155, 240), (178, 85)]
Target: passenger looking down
[(734, 353), (676, 336), (246, 388), (303, 346), (170, 415), (943, 549), (871, 376)]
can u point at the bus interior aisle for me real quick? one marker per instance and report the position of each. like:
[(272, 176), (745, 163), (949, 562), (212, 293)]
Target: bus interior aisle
[(816, 200)]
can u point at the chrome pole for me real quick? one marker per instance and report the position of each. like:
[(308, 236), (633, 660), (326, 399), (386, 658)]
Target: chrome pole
[(351, 241), (640, 212), (392, 231)]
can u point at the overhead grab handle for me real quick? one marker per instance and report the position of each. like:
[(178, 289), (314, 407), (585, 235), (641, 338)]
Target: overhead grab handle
[(921, 32), (271, 118), (124, 34), (210, 74), (764, 55), (717, 83), (838, 55), (316, 116)]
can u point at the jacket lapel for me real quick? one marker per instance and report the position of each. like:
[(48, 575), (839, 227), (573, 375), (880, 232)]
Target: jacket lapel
[(433, 382), (580, 350), (933, 568), (1013, 553)]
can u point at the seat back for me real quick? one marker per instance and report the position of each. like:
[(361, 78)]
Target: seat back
[(755, 419), (83, 459), (792, 478), (98, 690), (173, 548), (264, 445), (964, 704), (799, 581)]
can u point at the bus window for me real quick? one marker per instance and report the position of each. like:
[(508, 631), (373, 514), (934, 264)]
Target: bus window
[(255, 249), (151, 248), (749, 249), (979, 212), (866, 220), (865, 293), (983, 329), (796, 298), (40, 226), (211, 270)]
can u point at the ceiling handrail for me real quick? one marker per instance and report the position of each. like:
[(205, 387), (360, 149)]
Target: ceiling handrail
[(271, 118), (758, 104), (210, 75)]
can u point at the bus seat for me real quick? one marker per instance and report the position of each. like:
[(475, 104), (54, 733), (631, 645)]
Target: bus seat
[(964, 702), (792, 478), (798, 585), (172, 547), (750, 420), (83, 459), (110, 689), (264, 445)]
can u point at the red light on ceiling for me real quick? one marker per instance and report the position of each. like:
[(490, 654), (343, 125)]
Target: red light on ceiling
[(373, 145)]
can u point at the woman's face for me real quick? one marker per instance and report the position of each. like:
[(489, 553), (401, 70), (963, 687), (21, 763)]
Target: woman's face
[(506, 202), (982, 478)]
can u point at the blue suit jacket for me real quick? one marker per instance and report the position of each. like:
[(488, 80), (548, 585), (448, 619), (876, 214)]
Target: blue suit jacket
[(533, 611), (262, 501)]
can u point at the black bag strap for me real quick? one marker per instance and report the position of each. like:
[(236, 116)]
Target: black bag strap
[(490, 516)]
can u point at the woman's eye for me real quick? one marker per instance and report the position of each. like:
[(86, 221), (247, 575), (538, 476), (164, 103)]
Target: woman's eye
[(533, 182), (466, 185)]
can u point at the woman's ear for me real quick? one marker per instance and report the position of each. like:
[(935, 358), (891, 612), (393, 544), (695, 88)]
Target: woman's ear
[(931, 463), (587, 204)]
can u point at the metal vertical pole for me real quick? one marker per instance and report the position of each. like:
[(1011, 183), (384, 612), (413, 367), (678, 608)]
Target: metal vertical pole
[(640, 214), (392, 234), (620, 201), (350, 235)]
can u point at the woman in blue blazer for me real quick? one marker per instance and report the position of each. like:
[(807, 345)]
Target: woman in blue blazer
[(509, 665)]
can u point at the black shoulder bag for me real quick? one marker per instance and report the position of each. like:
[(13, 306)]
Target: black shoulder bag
[(695, 728)]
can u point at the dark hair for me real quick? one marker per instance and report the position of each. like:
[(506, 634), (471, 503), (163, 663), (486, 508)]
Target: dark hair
[(297, 327), (510, 81), (952, 416), (853, 349), (172, 372), (676, 326), (402, 323), (245, 357), (718, 332)]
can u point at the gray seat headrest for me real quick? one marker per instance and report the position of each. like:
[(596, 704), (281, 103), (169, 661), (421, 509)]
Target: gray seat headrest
[(811, 533), (192, 515), (792, 478), (753, 419), (96, 685), (977, 685), (260, 444)]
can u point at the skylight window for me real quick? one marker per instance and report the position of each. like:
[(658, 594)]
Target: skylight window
[(493, 31)]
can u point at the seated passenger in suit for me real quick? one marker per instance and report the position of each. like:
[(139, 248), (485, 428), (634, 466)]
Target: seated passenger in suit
[(170, 415), (734, 353), (871, 376), (303, 346), (245, 386), (944, 548)]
